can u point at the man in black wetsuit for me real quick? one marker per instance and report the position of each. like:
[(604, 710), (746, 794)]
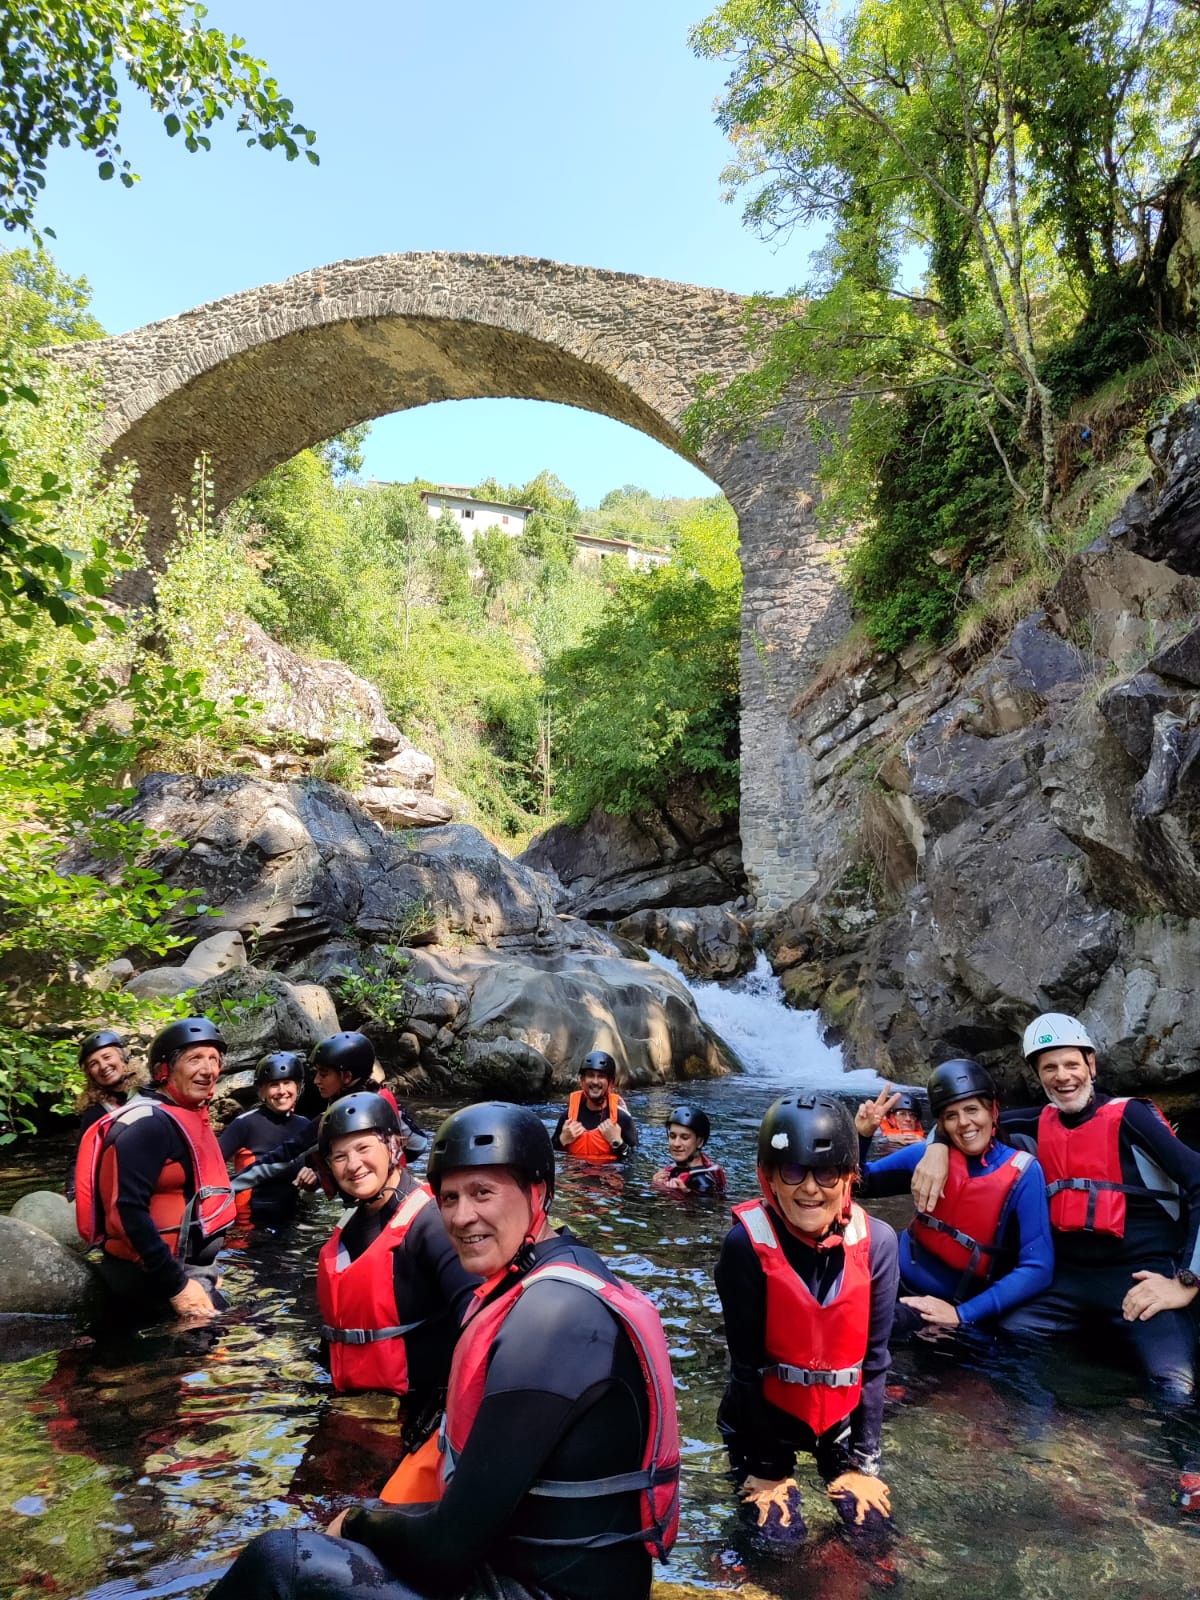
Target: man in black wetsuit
[(271, 1129), (1124, 1211), (596, 1126), (550, 1423), (152, 1184)]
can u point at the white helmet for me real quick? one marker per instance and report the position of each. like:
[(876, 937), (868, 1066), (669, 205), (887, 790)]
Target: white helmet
[(1054, 1031)]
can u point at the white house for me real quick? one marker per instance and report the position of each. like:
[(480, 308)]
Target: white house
[(591, 547), (473, 515)]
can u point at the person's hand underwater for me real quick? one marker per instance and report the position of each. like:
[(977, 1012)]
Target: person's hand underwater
[(763, 1493), (870, 1494)]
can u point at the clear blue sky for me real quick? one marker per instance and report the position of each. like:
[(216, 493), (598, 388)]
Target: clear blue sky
[(584, 134)]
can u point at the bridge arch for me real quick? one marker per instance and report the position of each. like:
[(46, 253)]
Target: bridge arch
[(253, 378)]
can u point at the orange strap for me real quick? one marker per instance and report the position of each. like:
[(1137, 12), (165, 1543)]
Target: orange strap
[(416, 1481)]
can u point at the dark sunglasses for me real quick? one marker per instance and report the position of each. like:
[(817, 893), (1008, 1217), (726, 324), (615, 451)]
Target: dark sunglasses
[(824, 1177)]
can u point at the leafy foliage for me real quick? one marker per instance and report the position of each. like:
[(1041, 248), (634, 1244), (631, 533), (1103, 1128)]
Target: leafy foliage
[(651, 691)]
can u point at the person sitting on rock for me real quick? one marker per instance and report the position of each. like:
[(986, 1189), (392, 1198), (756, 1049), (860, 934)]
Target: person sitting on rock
[(111, 1079), (150, 1183), (390, 1286), (1124, 1198), (692, 1169), (596, 1126), (557, 1476), (270, 1130), (902, 1125), (808, 1290), (985, 1248)]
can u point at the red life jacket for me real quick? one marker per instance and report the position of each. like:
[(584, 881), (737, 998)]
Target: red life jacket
[(209, 1212), (243, 1199), (814, 1353), (591, 1144), (657, 1480), (1083, 1170), (358, 1305), (963, 1229), (668, 1181)]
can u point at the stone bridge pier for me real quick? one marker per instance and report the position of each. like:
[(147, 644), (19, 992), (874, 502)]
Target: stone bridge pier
[(254, 378)]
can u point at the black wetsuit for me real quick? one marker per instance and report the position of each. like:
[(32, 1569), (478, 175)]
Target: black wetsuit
[(564, 1399), (432, 1288), (1094, 1272), (762, 1439), (269, 1134), (590, 1119), (143, 1289)]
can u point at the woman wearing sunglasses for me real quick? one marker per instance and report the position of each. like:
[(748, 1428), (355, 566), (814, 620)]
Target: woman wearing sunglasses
[(808, 1285)]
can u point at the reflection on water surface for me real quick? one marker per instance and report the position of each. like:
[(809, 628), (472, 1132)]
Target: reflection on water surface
[(140, 1470)]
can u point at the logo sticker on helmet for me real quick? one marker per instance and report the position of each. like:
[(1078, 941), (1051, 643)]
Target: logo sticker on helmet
[(779, 1141)]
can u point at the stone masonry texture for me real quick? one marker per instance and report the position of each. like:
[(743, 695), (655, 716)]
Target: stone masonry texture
[(254, 378)]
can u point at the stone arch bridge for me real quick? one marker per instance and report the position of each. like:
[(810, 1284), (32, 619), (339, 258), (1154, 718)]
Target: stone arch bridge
[(256, 377)]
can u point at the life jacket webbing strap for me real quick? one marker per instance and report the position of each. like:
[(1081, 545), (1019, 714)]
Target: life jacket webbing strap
[(585, 1488), (368, 1335), (811, 1377)]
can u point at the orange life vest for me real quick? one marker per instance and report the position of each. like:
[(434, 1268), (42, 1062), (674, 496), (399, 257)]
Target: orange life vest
[(814, 1353), (208, 1213), (1083, 1170), (358, 1305), (657, 1480), (591, 1144), (963, 1230)]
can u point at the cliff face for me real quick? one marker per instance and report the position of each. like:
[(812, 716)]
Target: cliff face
[(1023, 834)]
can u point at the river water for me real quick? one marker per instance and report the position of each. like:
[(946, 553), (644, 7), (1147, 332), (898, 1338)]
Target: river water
[(141, 1469)]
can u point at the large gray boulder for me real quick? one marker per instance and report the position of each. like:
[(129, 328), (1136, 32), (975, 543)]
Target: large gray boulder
[(52, 1213), (680, 855), (707, 942), (258, 1012), (293, 865), (38, 1274)]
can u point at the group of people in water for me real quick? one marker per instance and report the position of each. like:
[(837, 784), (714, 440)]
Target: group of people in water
[(540, 1448)]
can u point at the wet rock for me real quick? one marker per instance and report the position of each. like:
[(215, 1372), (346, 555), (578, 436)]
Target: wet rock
[(38, 1274), (52, 1213), (681, 855), (707, 942)]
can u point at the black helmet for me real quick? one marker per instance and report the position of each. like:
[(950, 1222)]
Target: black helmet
[(599, 1061), (179, 1036), (905, 1102), (100, 1041), (688, 1117), (808, 1130), (345, 1052), (959, 1080), (281, 1066), (357, 1113), (494, 1134)]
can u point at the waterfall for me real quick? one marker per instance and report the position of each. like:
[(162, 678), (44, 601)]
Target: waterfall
[(775, 1044)]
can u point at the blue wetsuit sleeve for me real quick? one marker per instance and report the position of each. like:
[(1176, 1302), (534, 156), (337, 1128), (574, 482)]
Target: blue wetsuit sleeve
[(1035, 1258), (891, 1174), (866, 1422), (1145, 1131)]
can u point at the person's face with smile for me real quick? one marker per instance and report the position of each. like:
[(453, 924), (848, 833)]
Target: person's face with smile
[(106, 1067), (810, 1208), (969, 1125), (487, 1216), (1067, 1075), (360, 1164), (280, 1096), (192, 1076), (682, 1143), (595, 1086)]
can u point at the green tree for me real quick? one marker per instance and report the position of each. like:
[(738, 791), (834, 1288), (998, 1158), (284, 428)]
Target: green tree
[(343, 454), (39, 305)]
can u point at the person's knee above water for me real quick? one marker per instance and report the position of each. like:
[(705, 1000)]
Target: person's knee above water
[(1124, 1196), (151, 1182), (559, 1471), (345, 1064), (389, 1283), (808, 1289), (986, 1246), (692, 1170), (596, 1125), (271, 1129), (110, 1079)]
